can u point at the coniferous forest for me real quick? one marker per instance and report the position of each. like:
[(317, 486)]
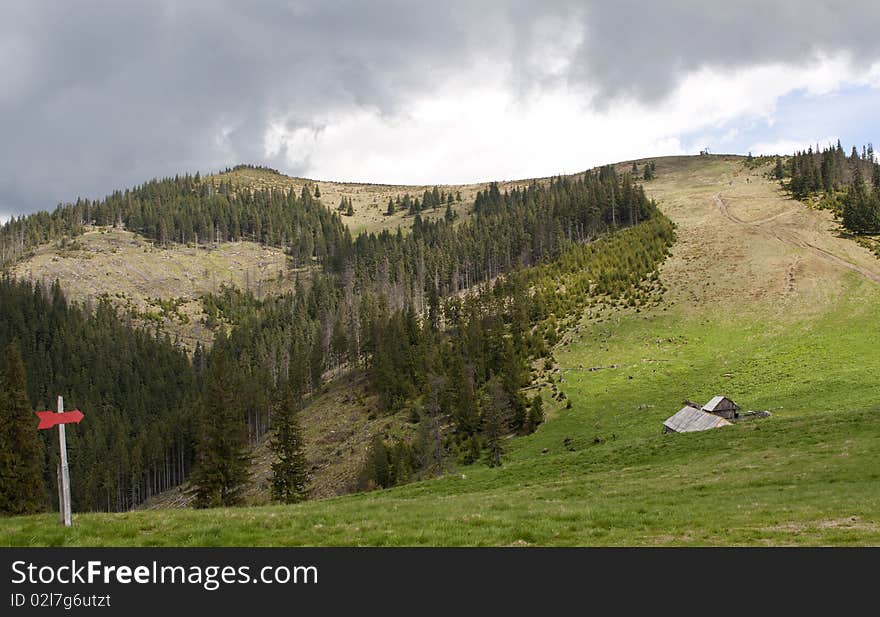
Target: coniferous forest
[(849, 185), (445, 318), (188, 209)]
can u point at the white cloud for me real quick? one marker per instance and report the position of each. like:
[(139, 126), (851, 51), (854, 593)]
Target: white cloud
[(788, 146), (478, 127)]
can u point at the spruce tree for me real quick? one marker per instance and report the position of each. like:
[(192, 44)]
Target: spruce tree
[(290, 470), (22, 490), (449, 215), (496, 412), (222, 462), (376, 471), (536, 414)]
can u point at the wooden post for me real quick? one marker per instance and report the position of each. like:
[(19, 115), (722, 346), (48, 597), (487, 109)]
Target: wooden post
[(64, 489), (60, 494)]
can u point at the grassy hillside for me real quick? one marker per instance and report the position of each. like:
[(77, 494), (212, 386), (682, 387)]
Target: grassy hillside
[(369, 201), (787, 482), (135, 274), (766, 304)]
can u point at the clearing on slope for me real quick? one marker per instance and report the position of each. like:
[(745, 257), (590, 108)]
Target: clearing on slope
[(369, 201), (765, 303), (156, 285)]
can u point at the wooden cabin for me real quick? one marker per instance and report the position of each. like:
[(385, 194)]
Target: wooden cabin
[(722, 407)]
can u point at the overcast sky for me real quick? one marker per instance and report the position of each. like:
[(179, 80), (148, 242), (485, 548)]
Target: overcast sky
[(96, 96)]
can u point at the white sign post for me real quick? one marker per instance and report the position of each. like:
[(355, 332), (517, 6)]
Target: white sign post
[(64, 486)]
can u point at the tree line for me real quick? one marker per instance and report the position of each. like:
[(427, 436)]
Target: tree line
[(430, 200), (462, 369), (189, 209), (848, 185)]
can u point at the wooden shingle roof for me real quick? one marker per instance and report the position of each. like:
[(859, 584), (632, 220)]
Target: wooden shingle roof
[(689, 419), (716, 401)]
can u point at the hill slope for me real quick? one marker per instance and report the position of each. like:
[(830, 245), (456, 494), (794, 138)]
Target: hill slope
[(135, 274), (369, 201), (138, 273), (765, 304)]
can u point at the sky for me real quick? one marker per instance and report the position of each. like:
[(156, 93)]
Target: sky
[(98, 96)]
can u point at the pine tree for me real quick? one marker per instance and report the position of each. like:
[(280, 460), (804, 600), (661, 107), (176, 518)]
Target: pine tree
[(22, 490), (290, 470), (449, 215), (859, 213), (536, 414), (495, 414), (430, 435), (222, 461), (349, 211), (376, 472)]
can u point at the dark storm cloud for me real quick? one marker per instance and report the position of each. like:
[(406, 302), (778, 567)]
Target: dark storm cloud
[(640, 48), (99, 95)]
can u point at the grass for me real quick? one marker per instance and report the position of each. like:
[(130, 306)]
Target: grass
[(809, 475), (785, 482), (799, 337), (801, 368), (137, 275)]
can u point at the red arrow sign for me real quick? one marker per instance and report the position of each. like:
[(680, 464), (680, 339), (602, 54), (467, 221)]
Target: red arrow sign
[(48, 419)]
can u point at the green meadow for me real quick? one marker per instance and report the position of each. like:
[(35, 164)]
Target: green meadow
[(602, 472)]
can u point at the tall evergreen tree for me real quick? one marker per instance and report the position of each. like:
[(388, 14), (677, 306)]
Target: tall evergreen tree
[(536, 414), (496, 412), (22, 490), (222, 461), (290, 471)]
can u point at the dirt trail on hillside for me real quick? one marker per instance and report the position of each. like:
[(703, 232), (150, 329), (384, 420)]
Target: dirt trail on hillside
[(745, 247), (792, 238)]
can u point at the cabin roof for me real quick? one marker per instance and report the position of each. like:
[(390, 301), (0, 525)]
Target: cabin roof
[(713, 404), (689, 419)]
